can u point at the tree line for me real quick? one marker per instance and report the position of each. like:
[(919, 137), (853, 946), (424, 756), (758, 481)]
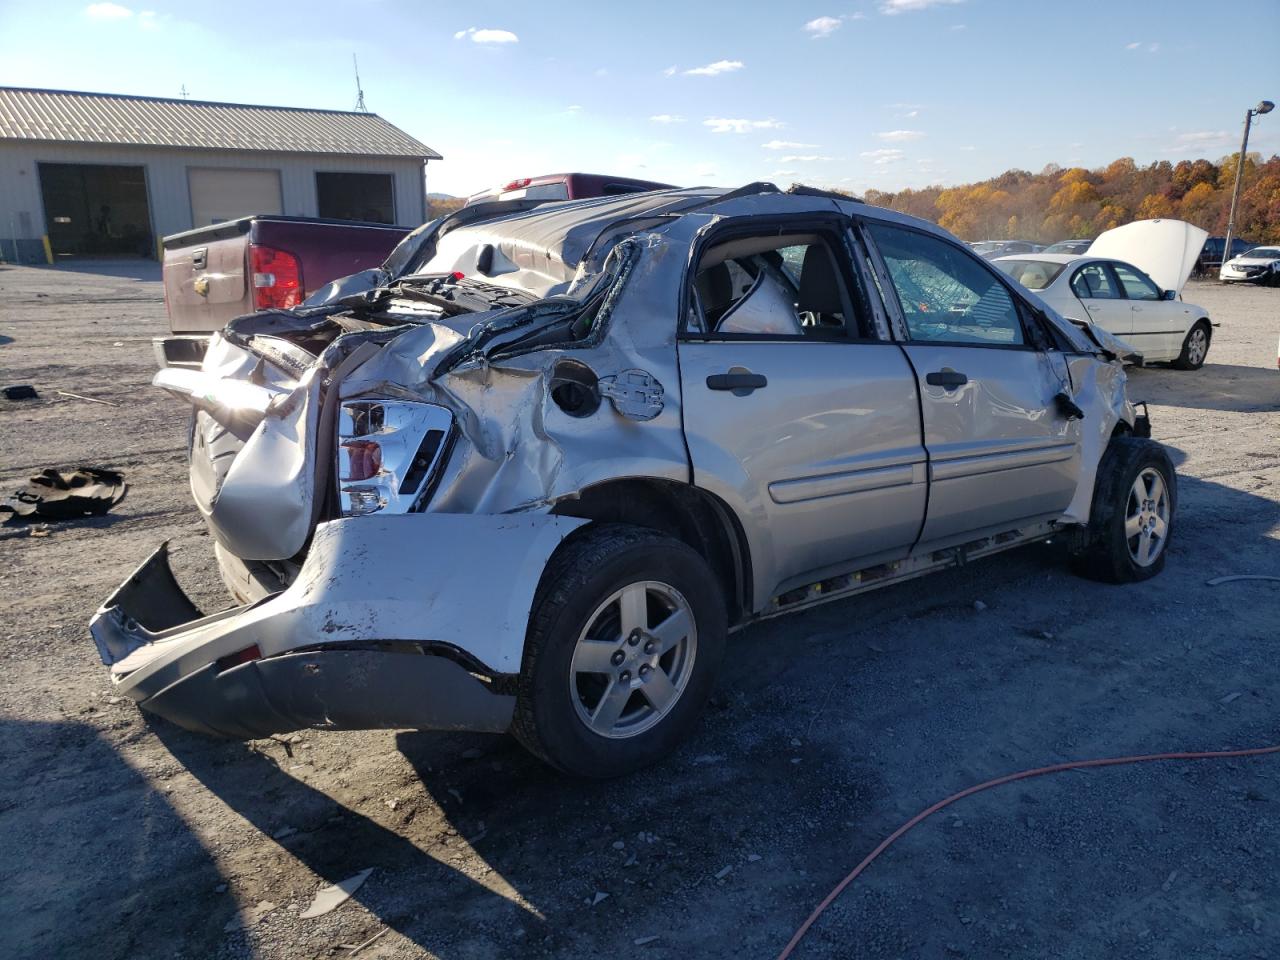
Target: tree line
[(1075, 203)]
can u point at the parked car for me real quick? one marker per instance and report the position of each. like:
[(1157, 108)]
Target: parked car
[(506, 492), (1260, 265), (216, 273), (1210, 260), (567, 186), (1068, 246), (1123, 297), (999, 248)]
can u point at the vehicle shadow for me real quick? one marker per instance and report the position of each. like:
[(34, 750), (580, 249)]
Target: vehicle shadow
[(125, 269), (78, 879), (1215, 386)]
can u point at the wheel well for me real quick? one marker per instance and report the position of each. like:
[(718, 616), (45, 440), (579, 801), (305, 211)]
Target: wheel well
[(680, 510)]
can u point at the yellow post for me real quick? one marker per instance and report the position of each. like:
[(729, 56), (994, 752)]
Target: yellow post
[(160, 249), (48, 250)]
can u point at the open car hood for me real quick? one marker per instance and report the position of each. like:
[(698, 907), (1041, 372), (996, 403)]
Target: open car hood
[(1165, 250)]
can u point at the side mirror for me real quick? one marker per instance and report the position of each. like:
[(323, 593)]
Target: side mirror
[(1170, 295)]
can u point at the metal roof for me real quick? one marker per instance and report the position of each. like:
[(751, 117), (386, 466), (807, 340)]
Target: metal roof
[(68, 116)]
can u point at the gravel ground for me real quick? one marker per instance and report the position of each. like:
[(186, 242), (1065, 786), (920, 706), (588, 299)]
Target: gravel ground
[(124, 837)]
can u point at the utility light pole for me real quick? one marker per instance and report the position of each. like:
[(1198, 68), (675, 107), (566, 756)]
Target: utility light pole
[(1264, 106)]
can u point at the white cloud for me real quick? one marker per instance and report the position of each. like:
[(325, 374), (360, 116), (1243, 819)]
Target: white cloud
[(959, 26), (787, 145), (573, 107), (486, 35), (805, 158), (822, 27), (883, 156), (900, 136), (893, 7), (715, 69), (1133, 46), (727, 125), (107, 11), (667, 118), (1139, 44), (968, 149), (784, 173), (671, 71)]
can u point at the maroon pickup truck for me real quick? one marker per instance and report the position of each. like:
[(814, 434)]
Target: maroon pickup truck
[(217, 273)]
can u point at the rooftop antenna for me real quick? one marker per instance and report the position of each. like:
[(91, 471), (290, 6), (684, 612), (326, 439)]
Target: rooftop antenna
[(360, 107), (183, 92)]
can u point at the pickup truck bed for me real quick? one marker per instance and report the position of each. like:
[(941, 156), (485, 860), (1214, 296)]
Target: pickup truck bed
[(216, 273)]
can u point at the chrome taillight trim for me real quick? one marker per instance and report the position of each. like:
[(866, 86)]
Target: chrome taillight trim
[(401, 429)]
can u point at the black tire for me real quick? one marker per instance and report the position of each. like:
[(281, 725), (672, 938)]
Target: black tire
[(1185, 359), (1108, 553), (589, 567)]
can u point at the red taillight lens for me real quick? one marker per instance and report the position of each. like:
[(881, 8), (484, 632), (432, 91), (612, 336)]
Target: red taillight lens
[(277, 278), (364, 459), (249, 653), (518, 184)]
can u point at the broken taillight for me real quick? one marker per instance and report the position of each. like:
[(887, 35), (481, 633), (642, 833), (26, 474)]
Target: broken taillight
[(389, 451), (277, 278)]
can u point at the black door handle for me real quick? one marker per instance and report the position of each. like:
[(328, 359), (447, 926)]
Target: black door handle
[(741, 382), (946, 378)]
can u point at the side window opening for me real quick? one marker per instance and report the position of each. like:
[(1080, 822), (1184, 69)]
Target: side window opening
[(1092, 282), (1137, 286), (788, 285), (946, 295)]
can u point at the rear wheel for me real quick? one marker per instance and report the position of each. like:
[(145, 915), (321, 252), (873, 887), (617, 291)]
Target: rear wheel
[(1134, 500), (1195, 347), (625, 638)]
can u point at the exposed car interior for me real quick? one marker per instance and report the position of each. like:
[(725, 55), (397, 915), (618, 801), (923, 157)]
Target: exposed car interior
[(789, 285)]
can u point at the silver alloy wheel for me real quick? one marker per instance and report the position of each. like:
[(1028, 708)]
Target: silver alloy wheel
[(1146, 517), (633, 659), (1197, 346)]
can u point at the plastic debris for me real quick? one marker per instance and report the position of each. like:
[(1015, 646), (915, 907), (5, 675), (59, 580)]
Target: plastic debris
[(724, 872), (66, 495), (21, 391), (1242, 576), (643, 941), (600, 897), (331, 897)]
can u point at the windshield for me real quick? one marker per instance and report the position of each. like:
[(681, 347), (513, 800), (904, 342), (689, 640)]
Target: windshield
[(986, 246), (1032, 274), (1265, 253)]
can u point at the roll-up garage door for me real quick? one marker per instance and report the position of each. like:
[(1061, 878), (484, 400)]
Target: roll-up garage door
[(221, 193)]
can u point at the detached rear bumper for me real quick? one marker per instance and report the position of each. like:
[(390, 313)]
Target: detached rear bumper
[(413, 621)]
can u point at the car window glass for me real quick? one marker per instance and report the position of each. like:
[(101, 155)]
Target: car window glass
[(787, 285), (946, 294), (1092, 282), (1136, 285)]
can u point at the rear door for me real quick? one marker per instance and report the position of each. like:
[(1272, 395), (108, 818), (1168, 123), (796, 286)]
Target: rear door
[(795, 412), (1096, 287), (999, 451)]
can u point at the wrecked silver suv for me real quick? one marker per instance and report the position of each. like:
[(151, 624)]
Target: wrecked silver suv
[(529, 474)]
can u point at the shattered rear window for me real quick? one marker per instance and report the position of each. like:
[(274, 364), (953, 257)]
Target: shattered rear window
[(1032, 274)]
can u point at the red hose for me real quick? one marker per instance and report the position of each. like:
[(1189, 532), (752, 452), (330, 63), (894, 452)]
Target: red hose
[(998, 781)]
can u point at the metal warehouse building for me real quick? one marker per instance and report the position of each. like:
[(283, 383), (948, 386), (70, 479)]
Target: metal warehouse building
[(101, 175)]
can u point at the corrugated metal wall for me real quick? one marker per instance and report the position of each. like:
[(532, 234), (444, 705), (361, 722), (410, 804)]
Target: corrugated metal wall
[(22, 209)]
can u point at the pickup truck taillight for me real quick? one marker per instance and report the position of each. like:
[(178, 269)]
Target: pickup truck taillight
[(277, 278)]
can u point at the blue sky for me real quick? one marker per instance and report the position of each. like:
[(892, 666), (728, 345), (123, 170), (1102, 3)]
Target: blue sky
[(882, 93)]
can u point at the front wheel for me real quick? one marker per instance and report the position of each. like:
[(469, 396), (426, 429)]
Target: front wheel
[(1195, 347), (1134, 499), (624, 642)]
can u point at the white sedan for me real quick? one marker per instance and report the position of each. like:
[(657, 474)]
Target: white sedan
[(1122, 298), (1260, 265)]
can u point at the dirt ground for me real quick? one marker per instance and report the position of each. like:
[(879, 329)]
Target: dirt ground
[(126, 837)]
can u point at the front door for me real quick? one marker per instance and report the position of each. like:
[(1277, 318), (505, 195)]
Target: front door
[(1000, 451), (795, 414), (1156, 325)]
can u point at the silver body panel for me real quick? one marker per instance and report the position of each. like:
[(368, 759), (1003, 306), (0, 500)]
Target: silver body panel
[(848, 458)]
